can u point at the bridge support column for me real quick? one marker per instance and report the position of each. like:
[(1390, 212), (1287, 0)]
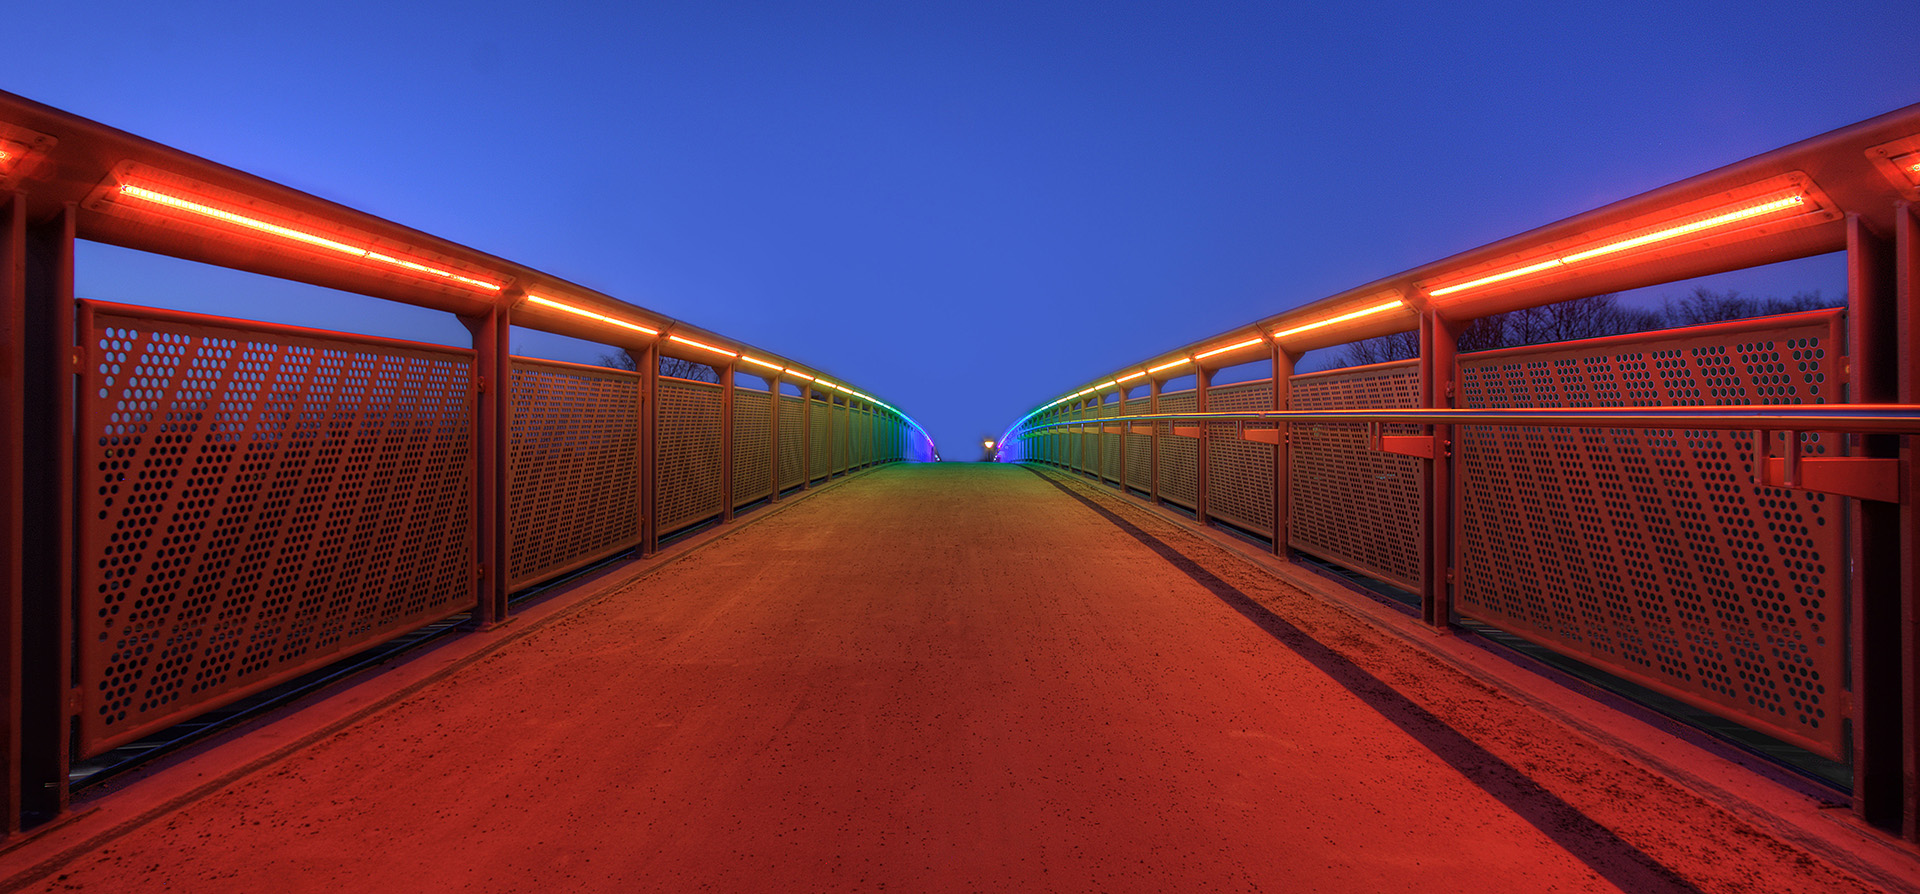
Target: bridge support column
[(726, 441), (1439, 340), (649, 496), (493, 414), (1153, 442), (773, 436), (806, 437), (1283, 363), (38, 364), (1907, 330), (1878, 603), (1202, 381)]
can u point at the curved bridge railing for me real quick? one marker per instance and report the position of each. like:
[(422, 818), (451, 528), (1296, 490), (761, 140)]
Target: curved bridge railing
[(1723, 514), (194, 509)]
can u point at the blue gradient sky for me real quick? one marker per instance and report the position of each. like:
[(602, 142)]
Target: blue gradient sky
[(962, 207)]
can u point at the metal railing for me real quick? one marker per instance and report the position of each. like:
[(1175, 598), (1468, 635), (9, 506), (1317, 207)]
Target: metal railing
[(1722, 514), (194, 509)]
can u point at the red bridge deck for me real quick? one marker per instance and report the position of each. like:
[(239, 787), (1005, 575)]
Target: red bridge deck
[(935, 678)]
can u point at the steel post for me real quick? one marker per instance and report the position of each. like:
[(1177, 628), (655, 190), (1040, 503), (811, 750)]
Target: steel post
[(1874, 596), (1439, 340), (493, 409), (773, 436), (1283, 363), (806, 437), (1907, 331), (1153, 442), (1202, 380), (726, 441), (649, 366)]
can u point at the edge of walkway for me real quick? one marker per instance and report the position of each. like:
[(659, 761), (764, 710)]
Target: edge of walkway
[(1768, 797), (142, 795)]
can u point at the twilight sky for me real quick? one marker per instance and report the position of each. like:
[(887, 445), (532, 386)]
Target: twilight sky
[(962, 208)]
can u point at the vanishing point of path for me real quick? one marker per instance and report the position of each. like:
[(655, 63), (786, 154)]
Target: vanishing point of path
[(949, 678)]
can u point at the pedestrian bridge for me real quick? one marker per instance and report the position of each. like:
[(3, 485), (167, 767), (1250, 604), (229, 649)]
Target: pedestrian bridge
[(1633, 613)]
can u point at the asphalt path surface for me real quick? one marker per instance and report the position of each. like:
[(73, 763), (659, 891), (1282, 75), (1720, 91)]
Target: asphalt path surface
[(950, 678)]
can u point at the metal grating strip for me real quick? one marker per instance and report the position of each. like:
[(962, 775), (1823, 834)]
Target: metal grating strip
[(1178, 467), (818, 457), (752, 446), (841, 433), (791, 475), (1653, 553), (1351, 505), (688, 474), (573, 467), (257, 501), (1139, 452), (1240, 472), (1110, 447)]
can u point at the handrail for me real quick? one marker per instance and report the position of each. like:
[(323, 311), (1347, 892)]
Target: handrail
[(1892, 419)]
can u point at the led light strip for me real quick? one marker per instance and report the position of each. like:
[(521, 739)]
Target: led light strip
[(549, 302), (689, 341), (759, 362), (1782, 203), (285, 232), (1363, 312), (1245, 344), (1170, 365)]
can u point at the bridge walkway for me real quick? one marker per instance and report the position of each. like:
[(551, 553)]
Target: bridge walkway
[(934, 678)]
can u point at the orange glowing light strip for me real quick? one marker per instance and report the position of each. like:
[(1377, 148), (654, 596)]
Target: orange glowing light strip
[(1796, 200), (801, 375), (284, 232), (549, 302), (759, 362), (1363, 312), (1130, 377), (689, 341), (1245, 344), (1170, 365)]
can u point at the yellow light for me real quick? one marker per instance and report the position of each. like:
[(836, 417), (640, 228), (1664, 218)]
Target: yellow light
[(1245, 344), (1170, 365), (801, 375), (706, 347), (285, 232), (1747, 212), (987, 444), (1130, 377), (823, 383), (549, 302), (844, 388), (759, 362), (1363, 312), (1112, 384), (1083, 393)]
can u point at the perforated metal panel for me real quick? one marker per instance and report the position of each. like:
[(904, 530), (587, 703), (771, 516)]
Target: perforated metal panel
[(573, 467), (1109, 446), (752, 446), (688, 470), (841, 432), (819, 456), (1240, 472), (791, 433), (1139, 451), (256, 501), (1178, 470), (1351, 505), (1654, 553)]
